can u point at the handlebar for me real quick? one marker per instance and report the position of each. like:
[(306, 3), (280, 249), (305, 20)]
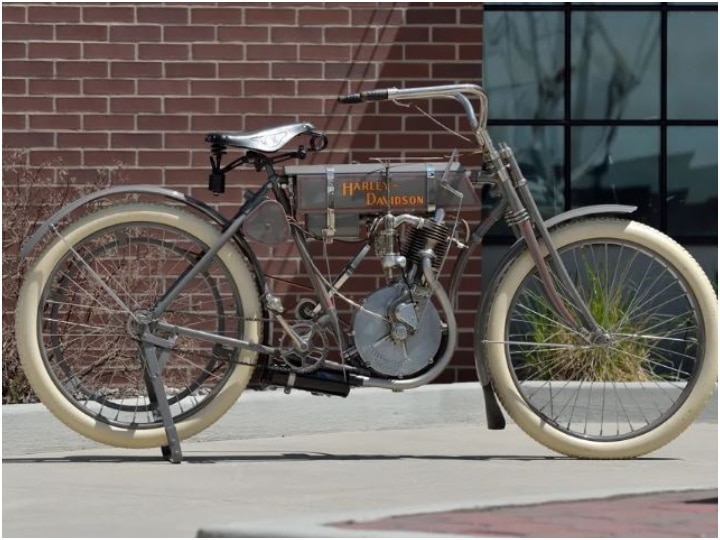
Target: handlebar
[(454, 91)]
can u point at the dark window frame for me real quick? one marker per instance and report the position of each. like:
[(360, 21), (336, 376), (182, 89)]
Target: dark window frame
[(568, 123)]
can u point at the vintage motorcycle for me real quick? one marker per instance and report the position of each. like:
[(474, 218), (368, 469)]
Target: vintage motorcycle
[(141, 323)]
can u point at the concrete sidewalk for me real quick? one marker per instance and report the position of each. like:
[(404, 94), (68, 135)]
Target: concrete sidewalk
[(290, 465)]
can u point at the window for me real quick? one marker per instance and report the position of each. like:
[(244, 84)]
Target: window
[(610, 103)]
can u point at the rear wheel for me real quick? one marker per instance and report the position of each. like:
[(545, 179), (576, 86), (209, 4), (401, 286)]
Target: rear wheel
[(635, 388), (78, 333)]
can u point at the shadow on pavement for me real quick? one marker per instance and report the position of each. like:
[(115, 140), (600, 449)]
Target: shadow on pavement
[(190, 457)]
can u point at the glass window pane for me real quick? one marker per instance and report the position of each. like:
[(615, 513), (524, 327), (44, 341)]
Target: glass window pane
[(523, 64), (617, 165), (615, 65), (692, 90), (692, 181), (539, 152)]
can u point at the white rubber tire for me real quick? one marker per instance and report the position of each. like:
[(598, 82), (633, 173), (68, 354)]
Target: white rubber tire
[(502, 376), (27, 326)]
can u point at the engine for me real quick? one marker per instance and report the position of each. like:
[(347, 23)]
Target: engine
[(398, 331)]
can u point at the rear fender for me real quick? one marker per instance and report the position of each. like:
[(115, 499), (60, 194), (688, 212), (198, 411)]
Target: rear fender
[(172, 195)]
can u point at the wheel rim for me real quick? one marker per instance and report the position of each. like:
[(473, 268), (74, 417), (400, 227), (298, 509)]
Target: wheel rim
[(84, 337), (628, 381)]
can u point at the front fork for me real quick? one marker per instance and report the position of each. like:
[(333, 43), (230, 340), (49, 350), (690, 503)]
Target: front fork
[(522, 215)]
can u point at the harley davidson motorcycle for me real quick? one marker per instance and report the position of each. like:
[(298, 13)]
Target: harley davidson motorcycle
[(141, 323)]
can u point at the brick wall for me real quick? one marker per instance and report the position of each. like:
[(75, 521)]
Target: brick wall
[(91, 86)]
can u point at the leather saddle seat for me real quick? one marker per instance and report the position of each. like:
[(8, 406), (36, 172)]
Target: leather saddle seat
[(261, 140)]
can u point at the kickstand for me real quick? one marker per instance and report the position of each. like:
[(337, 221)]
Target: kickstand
[(158, 399)]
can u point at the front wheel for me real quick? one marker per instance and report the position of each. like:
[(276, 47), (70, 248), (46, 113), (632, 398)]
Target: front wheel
[(622, 394), (77, 324)]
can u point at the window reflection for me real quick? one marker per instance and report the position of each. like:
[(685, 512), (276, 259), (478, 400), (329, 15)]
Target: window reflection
[(692, 88), (523, 64), (617, 165), (692, 181), (615, 65)]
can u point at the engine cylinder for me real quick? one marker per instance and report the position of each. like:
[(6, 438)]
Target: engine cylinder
[(433, 236)]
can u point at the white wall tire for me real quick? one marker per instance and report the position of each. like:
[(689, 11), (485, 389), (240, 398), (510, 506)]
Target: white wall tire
[(28, 326), (506, 385)]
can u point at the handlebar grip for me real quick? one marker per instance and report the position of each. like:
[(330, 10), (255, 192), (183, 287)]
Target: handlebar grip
[(370, 95), (350, 98), (376, 95)]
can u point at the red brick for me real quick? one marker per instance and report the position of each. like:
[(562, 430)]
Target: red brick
[(37, 139), (413, 34), (471, 15), (188, 33), (82, 69), (260, 122), (406, 70), (135, 33), (216, 15), (200, 70), (14, 121), (55, 121), (108, 158), (109, 87), (218, 51), (272, 52), (430, 52), (13, 13), (163, 87), (403, 141), (136, 69), (457, 34), (73, 104), (135, 104), (292, 70), (268, 88), (431, 16), (163, 158), (54, 86), (350, 35), (216, 88), (81, 32), (326, 52), (252, 70), (323, 17), (14, 50), (189, 105), (270, 17), (294, 34), (14, 86), (162, 15), (27, 32), (108, 14), (243, 34), (136, 140), (224, 122), (377, 52), (244, 105), (183, 140), (26, 104), (164, 51), (27, 68), (185, 176), (350, 70), (381, 123), (297, 106), (108, 122), (56, 158), (165, 122), (378, 17), (82, 140), (54, 14), (322, 87), (54, 50), (109, 51), (457, 71)]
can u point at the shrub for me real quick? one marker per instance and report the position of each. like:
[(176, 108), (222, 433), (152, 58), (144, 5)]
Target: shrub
[(30, 194)]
